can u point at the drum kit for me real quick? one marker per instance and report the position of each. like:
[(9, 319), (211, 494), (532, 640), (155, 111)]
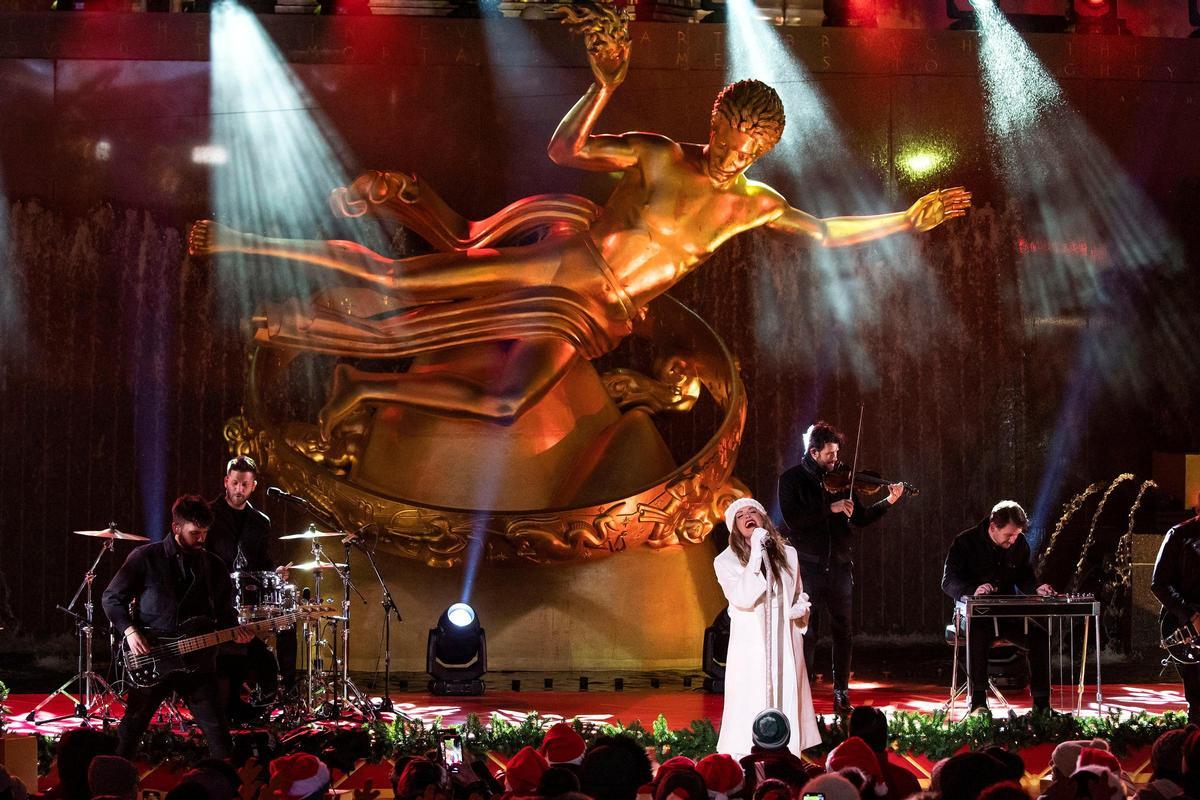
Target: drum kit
[(325, 689)]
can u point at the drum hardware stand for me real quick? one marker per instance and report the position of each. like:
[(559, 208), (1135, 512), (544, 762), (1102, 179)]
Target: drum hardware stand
[(341, 686), (94, 689), (389, 608)]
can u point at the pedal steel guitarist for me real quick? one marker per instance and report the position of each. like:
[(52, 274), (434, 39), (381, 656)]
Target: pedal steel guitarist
[(819, 529), (993, 557), (1176, 584), (241, 537), (173, 580)]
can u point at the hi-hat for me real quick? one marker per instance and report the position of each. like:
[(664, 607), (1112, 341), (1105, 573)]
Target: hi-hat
[(113, 533), (313, 566), (311, 533)]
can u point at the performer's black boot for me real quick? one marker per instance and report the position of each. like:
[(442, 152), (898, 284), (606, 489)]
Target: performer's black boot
[(841, 702)]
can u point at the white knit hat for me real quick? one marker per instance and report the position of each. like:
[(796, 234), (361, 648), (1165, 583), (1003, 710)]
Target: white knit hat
[(738, 505)]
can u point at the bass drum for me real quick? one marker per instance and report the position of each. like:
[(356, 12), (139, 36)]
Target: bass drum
[(257, 673)]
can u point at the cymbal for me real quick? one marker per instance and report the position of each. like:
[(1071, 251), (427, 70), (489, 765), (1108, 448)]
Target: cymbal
[(312, 566), (113, 533), (311, 534)]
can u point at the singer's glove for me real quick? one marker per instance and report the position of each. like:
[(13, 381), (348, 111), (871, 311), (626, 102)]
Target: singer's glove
[(799, 612), (758, 537), (801, 607)]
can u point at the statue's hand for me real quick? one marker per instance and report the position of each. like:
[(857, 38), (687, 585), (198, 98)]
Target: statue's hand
[(605, 32), (372, 187), (938, 206)]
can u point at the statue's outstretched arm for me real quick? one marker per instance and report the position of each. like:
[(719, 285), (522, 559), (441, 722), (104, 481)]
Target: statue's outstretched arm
[(927, 213), (606, 35)]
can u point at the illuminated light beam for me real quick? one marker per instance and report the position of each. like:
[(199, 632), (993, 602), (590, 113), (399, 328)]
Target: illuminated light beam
[(273, 158), (821, 306), (1099, 239)]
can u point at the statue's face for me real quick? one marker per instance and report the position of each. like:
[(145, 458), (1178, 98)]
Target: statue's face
[(729, 152)]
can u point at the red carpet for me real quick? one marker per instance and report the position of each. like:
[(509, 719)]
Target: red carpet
[(679, 707)]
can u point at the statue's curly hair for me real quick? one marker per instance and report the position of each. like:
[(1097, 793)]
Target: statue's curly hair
[(752, 107)]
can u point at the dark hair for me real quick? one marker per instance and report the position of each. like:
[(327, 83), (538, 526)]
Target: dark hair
[(1166, 756), (869, 724), (773, 786), (241, 464), (1005, 790), (965, 775), (191, 508), (614, 768), (1014, 765), (557, 781), (821, 433), (418, 775), (76, 749), (1008, 512), (863, 783)]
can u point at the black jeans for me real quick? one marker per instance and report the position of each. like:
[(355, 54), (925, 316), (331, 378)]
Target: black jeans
[(831, 593), (1036, 643), (200, 693), (1191, 689)]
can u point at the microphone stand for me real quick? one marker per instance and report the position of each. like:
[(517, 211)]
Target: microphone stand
[(389, 608)]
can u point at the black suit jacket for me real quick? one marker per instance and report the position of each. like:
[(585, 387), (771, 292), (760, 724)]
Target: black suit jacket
[(974, 559), (170, 587), (255, 536), (1176, 578), (819, 535)]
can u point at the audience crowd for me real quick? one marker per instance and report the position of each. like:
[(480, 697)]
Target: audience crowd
[(618, 768)]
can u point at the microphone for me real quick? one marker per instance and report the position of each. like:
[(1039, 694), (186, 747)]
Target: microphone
[(275, 491)]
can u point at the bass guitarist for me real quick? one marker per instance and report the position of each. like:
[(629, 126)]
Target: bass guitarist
[(174, 580), (1176, 584)]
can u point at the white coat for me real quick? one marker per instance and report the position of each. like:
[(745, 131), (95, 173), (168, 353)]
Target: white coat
[(745, 667)]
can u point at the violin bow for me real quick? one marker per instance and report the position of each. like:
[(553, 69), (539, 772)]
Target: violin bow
[(857, 441)]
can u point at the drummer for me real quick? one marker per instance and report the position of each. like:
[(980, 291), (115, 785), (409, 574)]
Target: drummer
[(241, 537)]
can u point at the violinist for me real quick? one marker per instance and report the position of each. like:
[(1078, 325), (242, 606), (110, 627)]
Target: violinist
[(818, 522)]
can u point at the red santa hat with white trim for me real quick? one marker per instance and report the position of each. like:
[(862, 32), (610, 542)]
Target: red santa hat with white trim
[(722, 775), (562, 744), (855, 752)]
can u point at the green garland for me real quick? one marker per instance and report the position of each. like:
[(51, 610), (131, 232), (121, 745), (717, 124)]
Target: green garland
[(934, 736)]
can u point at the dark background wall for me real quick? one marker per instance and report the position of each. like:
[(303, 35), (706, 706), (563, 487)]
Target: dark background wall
[(122, 358)]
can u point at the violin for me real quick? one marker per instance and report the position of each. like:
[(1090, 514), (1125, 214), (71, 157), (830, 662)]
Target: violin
[(866, 483)]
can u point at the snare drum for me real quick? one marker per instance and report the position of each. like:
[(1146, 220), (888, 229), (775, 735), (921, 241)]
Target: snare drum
[(261, 594)]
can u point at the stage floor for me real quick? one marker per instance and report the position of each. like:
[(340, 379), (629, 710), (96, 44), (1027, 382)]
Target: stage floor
[(679, 706)]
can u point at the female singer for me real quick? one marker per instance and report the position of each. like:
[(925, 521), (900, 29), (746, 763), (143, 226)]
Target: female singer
[(768, 615)]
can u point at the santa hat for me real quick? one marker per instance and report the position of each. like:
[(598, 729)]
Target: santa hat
[(855, 752), (674, 762), (738, 505), (524, 771), (562, 744), (1096, 757), (299, 774), (1116, 788), (722, 775), (1066, 755)]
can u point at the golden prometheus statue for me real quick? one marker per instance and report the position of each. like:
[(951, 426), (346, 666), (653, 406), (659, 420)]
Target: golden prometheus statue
[(500, 429)]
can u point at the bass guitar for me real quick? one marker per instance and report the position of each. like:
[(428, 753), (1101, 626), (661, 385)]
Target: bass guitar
[(191, 647), (1182, 642)]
